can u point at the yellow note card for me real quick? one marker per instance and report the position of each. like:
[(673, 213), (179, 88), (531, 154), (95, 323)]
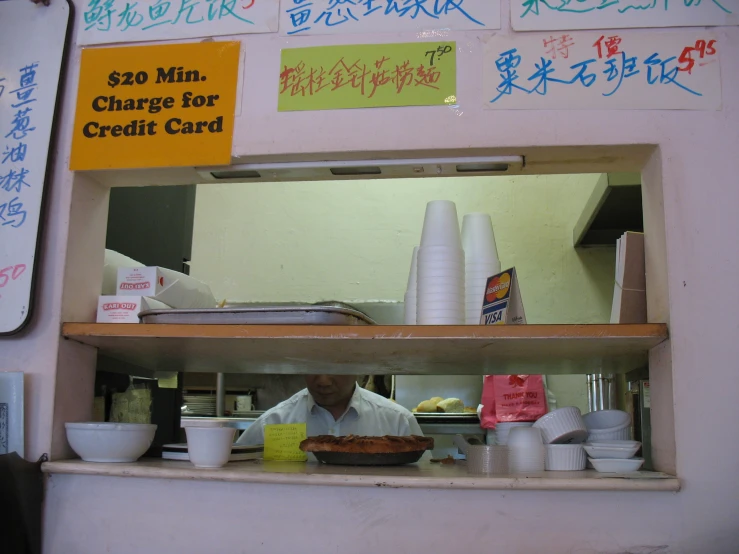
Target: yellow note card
[(163, 105), (282, 442), (368, 76)]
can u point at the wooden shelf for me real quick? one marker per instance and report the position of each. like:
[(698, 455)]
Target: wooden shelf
[(376, 349)]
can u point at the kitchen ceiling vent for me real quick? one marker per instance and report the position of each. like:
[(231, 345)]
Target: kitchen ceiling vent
[(361, 169)]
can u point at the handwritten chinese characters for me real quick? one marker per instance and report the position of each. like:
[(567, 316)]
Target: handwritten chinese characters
[(321, 17), (16, 174), (367, 76), (109, 21), (602, 70), (550, 15), (155, 106)]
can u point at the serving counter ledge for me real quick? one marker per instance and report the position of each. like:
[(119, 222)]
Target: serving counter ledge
[(423, 475)]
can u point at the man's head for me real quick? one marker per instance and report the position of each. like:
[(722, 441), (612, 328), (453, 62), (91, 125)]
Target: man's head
[(331, 390)]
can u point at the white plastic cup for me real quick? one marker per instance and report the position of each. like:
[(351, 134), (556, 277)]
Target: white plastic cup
[(409, 308), (478, 238), (413, 273), (209, 447), (441, 225), (524, 436), (503, 429), (487, 459)]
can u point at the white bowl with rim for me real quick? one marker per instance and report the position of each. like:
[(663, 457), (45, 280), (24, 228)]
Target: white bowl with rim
[(563, 426), (565, 457), (612, 449), (613, 465), (110, 442)]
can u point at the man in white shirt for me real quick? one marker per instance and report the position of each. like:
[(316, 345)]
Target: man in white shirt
[(336, 405)]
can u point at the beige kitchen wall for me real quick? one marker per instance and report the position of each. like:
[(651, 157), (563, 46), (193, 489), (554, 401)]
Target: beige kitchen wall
[(352, 241)]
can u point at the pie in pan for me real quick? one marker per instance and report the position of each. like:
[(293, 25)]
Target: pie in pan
[(353, 444)]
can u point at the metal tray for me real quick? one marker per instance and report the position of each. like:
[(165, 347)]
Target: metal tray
[(278, 314), (356, 459)]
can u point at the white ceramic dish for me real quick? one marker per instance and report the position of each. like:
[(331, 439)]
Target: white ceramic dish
[(608, 425), (209, 447), (616, 465), (565, 457), (611, 450), (110, 442), (563, 426)]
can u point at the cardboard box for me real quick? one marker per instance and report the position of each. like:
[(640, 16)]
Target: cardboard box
[(174, 289), (125, 309)]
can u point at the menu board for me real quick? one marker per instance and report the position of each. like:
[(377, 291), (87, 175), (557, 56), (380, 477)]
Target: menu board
[(32, 43), (601, 70), (553, 15)]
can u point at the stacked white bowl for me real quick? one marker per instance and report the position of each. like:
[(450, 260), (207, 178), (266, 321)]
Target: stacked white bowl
[(440, 267), (481, 262), (608, 425), (411, 291), (526, 452)]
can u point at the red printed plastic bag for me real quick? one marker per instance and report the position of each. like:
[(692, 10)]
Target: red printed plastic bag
[(519, 397), (487, 413)]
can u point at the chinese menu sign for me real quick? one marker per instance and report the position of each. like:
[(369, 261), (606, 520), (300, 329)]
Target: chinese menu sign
[(109, 21), (603, 70), (549, 15), (282, 442), (155, 106), (323, 17), (29, 79), (368, 76)]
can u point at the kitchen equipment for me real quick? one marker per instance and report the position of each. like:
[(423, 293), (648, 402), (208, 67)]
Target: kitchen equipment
[(616, 465), (565, 457), (110, 442), (608, 425), (612, 449), (483, 459), (209, 447), (333, 313), (563, 426)]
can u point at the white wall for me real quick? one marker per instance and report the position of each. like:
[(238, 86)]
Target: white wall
[(697, 165)]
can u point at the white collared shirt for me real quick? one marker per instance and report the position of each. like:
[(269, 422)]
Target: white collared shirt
[(368, 414)]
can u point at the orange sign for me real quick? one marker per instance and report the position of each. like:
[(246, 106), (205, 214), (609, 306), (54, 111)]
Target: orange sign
[(155, 106)]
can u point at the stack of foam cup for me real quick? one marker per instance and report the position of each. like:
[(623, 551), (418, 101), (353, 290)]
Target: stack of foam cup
[(440, 278), (411, 291), (481, 261), (526, 451)]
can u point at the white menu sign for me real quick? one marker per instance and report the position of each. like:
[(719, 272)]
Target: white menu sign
[(109, 21), (32, 39), (330, 17), (603, 71), (553, 15)]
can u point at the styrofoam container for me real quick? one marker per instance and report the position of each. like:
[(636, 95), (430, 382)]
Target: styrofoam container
[(605, 465), (563, 426), (565, 457), (110, 442), (612, 449), (441, 225), (503, 429), (412, 274)]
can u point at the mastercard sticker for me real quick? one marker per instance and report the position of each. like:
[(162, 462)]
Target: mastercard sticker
[(502, 304)]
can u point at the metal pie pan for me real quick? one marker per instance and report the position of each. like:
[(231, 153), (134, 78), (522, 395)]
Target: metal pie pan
[(359, 459)]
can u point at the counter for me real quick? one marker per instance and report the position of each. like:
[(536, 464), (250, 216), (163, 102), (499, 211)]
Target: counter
[(424, 475)]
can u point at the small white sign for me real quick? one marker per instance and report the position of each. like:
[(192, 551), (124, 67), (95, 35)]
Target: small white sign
[(553, 15), (330, 17), (603, 71), (109, 21)]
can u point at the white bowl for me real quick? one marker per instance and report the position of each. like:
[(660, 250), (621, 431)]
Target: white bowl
[(565, 457), (616, 465), (209, 447), (608, 425), (110, 442), (563, 426), (612, 450)]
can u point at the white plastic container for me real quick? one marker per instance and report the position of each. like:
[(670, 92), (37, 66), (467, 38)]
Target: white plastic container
[(526, 453), (110, 442), (565, 457), (563, 426)]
